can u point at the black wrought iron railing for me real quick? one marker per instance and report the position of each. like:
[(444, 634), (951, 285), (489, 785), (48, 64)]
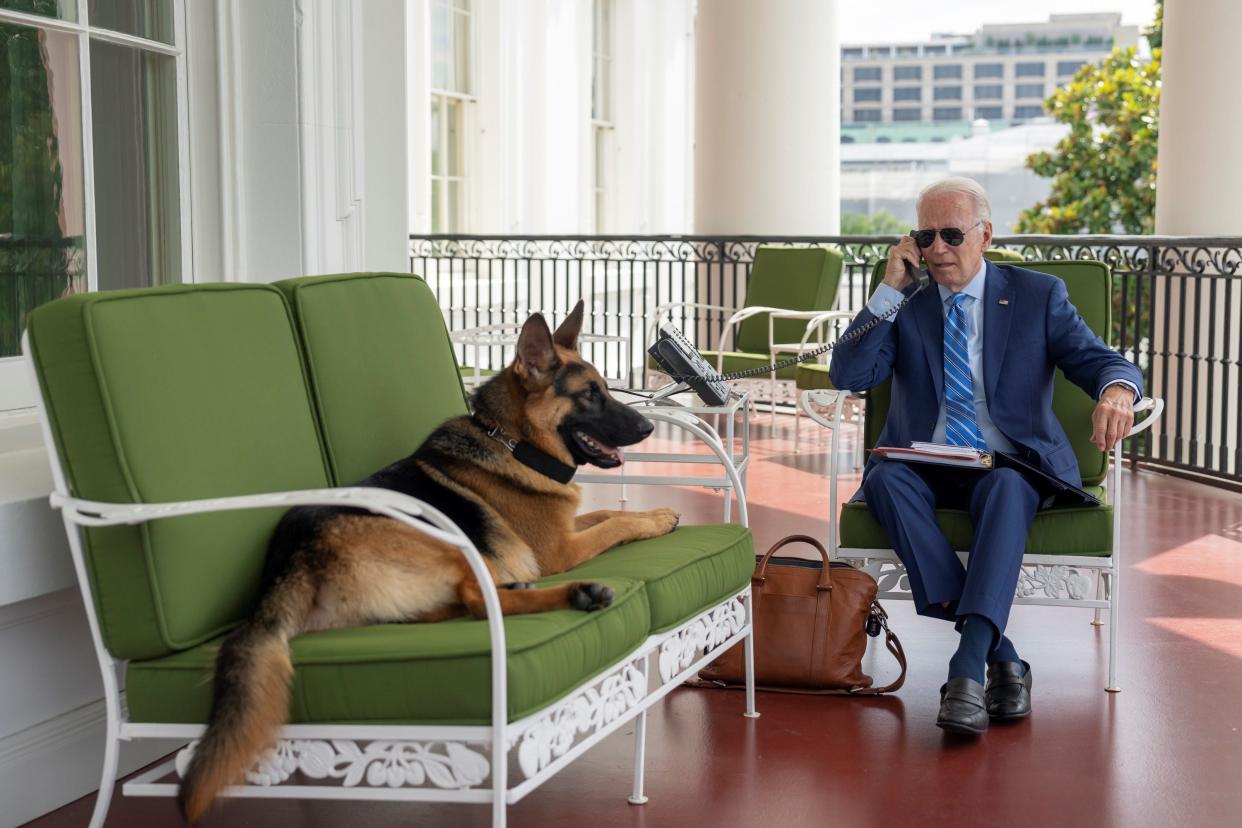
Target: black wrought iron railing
[(1177, 308)]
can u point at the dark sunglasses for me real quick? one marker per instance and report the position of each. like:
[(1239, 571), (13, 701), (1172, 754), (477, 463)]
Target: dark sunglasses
[(951, 235)]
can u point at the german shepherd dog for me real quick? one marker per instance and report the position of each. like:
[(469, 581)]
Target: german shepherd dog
[(330, 567)]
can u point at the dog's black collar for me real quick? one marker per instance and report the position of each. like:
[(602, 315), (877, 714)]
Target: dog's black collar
[(528, 454)]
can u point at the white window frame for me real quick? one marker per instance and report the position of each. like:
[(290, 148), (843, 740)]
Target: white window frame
[(16, 392), (466, 101), (602, 126)]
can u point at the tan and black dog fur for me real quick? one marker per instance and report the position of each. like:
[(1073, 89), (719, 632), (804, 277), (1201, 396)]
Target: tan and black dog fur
[(331, 567)]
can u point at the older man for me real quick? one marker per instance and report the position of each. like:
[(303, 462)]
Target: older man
[(972, 360)]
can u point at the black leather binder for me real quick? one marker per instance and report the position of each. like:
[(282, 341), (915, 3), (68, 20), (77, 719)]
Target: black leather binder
[(1053, 491)]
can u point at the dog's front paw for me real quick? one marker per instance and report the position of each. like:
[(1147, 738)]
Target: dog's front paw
[(590, 597), (665, 520)]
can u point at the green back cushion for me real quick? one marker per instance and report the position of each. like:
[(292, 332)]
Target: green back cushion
[(1090, 291), (381, 365), (1003, 256), (169, 394), (793, 278)]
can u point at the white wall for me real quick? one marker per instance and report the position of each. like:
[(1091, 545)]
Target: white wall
[(528, 139), (284, 94)]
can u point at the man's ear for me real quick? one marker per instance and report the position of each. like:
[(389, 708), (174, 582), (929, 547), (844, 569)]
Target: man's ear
[(536, 356), (567, 333)]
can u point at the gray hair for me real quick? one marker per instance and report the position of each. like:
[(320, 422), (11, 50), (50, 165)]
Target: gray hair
[(958, 185)]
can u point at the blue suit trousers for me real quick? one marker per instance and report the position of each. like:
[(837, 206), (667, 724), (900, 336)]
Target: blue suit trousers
[(904, 497)]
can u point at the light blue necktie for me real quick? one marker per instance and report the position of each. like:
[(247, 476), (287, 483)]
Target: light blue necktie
[(961, 427)]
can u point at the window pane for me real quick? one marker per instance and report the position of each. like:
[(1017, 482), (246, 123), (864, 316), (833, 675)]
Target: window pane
[(452, 136), (601, 144), (989, 70), (437, 157), (947, 72), (152, 19), (437, 206), (990, 91), (908, 93), (867, 73), (137, 202), (41, 213), (947, 93), (64, 9), (907, 114), (461, 54), (867, 95), (452, 206), (441, 50)]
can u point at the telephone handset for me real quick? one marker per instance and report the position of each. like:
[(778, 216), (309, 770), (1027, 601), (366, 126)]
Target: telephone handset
[(687, 368)]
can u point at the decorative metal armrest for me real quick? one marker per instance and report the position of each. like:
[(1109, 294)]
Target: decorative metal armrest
[(1153, 407), (408, 510), (815, 321)]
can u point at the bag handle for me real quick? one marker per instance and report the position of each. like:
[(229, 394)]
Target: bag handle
[(825, 577), (894, 647)]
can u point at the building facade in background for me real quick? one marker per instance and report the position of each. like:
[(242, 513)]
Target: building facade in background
[(1003, 72), (971, 105)]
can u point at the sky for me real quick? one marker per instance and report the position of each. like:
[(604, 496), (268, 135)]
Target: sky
[(890, 20)]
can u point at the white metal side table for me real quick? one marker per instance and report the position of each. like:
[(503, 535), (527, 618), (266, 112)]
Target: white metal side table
[(731, 450)]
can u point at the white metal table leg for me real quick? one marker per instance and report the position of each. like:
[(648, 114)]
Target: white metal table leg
[(637, 797), (1098, 620), (749, 649)]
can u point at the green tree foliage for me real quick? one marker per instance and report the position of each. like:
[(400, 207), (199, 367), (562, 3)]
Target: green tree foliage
[(879, 223), (1104, 171), (35, 258)]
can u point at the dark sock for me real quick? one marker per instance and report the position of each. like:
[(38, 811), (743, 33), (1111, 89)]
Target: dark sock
[(1003, 651), (978, 637)]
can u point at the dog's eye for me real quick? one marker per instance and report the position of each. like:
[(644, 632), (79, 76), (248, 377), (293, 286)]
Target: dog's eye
[(591, 395)]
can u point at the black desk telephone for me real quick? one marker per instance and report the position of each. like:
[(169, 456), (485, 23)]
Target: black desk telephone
[(688, 369)]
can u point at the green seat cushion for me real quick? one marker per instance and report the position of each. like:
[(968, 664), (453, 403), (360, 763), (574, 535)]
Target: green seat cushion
[(686, 571), (735, 361), (468, 371), (381, 365), (176, 393), (414, 673), (813, 375), (1086, 530)]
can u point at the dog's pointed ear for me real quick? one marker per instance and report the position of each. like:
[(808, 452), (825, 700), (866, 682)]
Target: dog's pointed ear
[(536, 355), (567, 333)]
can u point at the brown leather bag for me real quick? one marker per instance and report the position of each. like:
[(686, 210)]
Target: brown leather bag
[(811, 625)]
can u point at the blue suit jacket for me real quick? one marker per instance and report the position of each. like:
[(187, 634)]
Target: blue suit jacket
[(1024, 341)]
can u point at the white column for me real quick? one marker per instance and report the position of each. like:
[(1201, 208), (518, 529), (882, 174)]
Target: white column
[(767, 118), (1200, 162)]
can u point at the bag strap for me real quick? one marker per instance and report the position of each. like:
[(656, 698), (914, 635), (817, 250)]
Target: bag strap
[(825, 576), (894, 646)]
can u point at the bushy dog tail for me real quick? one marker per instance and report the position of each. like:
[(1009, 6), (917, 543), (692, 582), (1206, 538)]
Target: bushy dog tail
[(250, 698)]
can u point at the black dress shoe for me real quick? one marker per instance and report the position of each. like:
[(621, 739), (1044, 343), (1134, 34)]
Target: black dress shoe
[(1008, 692), (962, 708)]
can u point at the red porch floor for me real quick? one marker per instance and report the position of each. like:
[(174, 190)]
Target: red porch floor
[(1166, 751)]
